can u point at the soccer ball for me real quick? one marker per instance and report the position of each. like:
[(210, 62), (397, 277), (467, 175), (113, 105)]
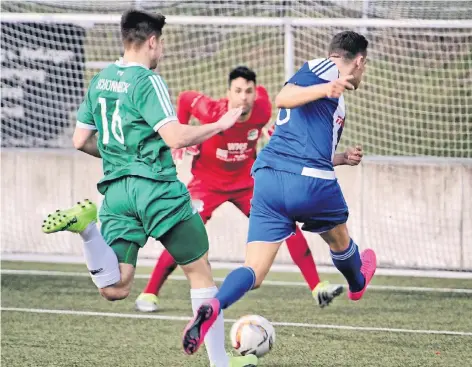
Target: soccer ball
[(252, 334)]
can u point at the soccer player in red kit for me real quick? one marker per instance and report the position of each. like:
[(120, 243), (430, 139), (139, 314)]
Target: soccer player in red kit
[(221, 172)]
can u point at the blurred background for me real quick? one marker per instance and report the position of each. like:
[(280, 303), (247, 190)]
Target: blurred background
[(410, 199)]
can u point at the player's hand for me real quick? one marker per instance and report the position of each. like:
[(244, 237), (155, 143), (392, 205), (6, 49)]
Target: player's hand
[(229, 118), (337, 87), (193, 150), (353, 155), (178, 155)]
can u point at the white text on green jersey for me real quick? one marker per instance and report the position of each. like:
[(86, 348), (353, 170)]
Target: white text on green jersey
[(113, 85)]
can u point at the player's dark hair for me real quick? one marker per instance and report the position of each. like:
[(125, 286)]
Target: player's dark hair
[(137, 26), (348, 44), (242, 72)]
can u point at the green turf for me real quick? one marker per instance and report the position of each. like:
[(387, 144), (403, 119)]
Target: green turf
[(76, 341), (30, 339)]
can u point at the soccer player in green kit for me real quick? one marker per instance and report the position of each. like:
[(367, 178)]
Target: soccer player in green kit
[(129, 106)]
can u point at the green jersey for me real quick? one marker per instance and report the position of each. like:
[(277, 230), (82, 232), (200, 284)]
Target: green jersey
[(128, 104)]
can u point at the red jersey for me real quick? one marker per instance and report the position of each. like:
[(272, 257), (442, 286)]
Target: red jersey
[(225, 160)]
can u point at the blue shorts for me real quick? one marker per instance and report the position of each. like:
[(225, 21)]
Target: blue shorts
[(281, 199)]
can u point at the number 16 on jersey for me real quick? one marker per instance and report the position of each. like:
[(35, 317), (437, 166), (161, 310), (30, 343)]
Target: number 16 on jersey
[(116, 126)]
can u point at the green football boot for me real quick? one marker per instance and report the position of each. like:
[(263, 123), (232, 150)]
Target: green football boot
[(75, 219), (324, 293), (147, 302), (249, 360)]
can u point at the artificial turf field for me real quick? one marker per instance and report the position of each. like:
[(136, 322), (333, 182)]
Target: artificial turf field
[(52, 315)]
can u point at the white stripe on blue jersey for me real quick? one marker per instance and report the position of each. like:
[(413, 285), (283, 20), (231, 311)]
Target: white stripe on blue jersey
[(324, 69)]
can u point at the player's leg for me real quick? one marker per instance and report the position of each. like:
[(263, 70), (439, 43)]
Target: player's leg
[(302, 257), (126, 253), (259, 258), (358, 269), (171, 219), (330, 221), (188, 243), (124, 232), (297, 245), (268, 228), (110, 267), (148, 301), (100, 259), (205, 202), (323, 292)]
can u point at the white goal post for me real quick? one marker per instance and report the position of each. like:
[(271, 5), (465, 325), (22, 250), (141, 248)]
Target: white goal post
[(409, 200)]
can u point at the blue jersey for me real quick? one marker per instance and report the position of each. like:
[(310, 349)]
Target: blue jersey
[(306, 137)]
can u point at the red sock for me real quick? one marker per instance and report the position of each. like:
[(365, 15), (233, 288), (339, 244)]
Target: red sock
[(164, 267), (302, 257)]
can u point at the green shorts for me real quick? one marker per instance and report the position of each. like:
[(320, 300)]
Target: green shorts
[(136, 208)]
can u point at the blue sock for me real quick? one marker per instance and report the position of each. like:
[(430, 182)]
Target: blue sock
[(235, 286), (349, 264)]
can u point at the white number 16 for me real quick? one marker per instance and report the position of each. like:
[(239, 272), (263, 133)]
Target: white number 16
[(116, 127)]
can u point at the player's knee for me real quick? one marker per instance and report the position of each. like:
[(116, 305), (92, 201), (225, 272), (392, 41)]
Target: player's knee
[(260, 273), (115, 293), (199, 273), (259, 257)]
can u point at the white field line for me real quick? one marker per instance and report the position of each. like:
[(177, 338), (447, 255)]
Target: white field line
[(216, 264), (266, 282), (184, 318)]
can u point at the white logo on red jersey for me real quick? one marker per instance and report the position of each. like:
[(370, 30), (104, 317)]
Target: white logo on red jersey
[(221, 153), (252, 134), (238, 147)]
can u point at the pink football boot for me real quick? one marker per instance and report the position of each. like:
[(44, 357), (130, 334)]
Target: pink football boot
[(369, 265), (197, 328)]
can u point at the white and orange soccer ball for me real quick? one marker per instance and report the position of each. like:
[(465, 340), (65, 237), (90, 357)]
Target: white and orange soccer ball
[(252, 334)]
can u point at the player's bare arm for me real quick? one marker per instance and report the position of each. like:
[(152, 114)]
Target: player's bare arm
[(177, 135), (85, 140), (292, 95), (192, 103), (351, 157)]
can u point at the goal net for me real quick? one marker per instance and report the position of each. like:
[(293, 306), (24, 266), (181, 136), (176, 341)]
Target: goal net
[(410, 198)]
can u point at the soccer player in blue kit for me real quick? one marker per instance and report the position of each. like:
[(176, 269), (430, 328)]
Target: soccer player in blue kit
[(295, 181)]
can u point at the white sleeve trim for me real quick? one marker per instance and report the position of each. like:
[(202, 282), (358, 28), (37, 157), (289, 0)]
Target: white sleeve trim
[(165, 121), (85, 126)]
